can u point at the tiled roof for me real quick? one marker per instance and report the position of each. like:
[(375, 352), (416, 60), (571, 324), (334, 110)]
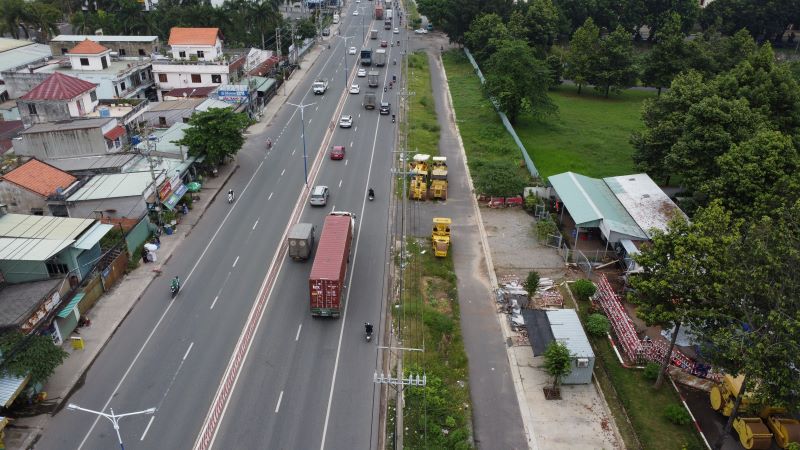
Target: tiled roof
[(59, 87), (88, 47), (115, 133), (193, 36), (195, 92), (39, 177)]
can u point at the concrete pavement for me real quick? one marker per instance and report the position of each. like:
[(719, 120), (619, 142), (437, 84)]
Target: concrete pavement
[(112, 309)]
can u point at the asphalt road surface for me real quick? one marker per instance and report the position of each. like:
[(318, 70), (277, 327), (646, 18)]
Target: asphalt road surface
[(305, 383)]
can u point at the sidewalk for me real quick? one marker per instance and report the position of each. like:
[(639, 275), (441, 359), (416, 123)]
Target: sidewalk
[(112, 308)]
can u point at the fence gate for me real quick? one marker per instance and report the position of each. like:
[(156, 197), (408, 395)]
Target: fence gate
[(583, 262), (554, 240), (540, 212)]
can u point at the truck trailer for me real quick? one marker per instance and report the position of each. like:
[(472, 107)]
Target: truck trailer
[(380, 58), (327, 279)]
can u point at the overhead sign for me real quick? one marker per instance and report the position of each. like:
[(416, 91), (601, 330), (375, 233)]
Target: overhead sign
[(233, 93)]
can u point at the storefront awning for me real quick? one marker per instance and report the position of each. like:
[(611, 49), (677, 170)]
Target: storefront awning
[(67, 310), (10, 388), (175, 197)]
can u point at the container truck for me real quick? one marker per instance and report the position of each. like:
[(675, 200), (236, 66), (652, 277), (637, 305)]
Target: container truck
[(373, 34), (388, 14), (372, 78), (380, 58), (301, 241), (366, 56), (378, 11), (369, 100), (327, 279)]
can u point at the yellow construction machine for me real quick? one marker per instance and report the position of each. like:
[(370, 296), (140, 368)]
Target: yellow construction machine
[(418, 187), (441, 236), (755, 431), (439, 177)]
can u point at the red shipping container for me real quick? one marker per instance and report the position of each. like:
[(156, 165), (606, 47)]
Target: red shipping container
[(326, 281)]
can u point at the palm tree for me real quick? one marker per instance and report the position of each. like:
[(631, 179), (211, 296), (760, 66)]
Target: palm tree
[(42, 17), (13, 13)]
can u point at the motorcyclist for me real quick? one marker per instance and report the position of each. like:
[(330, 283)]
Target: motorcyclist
[(384, 89), (175, 284), (394, 61), (371, 193), (392, 118), (368, 327), (230, 195)]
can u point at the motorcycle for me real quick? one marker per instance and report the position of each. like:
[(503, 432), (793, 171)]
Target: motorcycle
[(368, 331), (392, 118), (371, 195), (230, 197), (174, 288)]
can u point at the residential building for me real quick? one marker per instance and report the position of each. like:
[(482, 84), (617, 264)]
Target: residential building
[(68, 138), (164, 143), (114, 196), (200, 44), (9, 130), (95, 165), (31, 187), (210, 103), (166, 113), (123, 47), (194, 92), (58, 97), (15, 53)]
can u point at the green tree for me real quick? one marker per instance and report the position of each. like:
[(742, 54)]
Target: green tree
[(612, 69), (33, 355), (557, 362), (761, 19), (684, 272), (43, 17), (555, 62), (484, 34), (668, 57), (656, 13), (518, 81), (532, 282), (582, 53), (498, 178), (216, 133), (584, 289), (540, 21)]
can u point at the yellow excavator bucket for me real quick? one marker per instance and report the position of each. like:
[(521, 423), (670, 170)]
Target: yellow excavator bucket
[(752, 433)]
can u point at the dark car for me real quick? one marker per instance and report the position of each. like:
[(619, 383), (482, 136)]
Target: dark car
[(386, 108), (337, 152)]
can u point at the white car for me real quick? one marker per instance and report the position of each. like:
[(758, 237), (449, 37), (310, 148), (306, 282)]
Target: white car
[(355, 13), (396, 30), (346, 121), (351, 51), (362, 72), (421, 31), (354, 89)]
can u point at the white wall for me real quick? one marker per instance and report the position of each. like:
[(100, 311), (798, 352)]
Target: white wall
[(210, 52), (180, 75), (95, 62), (87, 103)]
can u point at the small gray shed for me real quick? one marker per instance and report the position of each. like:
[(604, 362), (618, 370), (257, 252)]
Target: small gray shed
[(566, 328)]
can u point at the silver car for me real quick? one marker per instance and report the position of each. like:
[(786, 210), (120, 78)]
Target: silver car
[(346, 121), (319, 196)]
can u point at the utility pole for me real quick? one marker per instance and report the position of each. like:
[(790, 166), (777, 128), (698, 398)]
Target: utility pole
[(146, 131), (303, 120), (345, 59)]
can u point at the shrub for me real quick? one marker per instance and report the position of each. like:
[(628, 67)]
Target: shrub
[(677, 414), (651, 371), (530, 203), (584, 289), (544, 228), (498, 178), (597, 325), (532, 282)]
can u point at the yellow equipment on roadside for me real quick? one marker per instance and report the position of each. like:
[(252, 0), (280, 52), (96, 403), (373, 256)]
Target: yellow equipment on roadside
[(439, 177), (418, 187), (441, 236)]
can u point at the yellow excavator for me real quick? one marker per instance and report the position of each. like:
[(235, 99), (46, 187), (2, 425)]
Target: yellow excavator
[(439, 177), (418, 187), (755, 430), (440, 237)]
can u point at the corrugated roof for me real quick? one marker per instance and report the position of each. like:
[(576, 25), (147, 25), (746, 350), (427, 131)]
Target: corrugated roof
[(92, 236), (212, 103), (40, 178), (115, 133), (171, 105), (59, 87), (193, 36), (10, 387), (67, 310), (195, 92), (103, 38), (92, 162), (113, 186), (87, 47), (42, 227), (7, 44), (28, 249), (17, 56), (332, 243), (592, 204), (649, 206), (567, 329), (76, 124)]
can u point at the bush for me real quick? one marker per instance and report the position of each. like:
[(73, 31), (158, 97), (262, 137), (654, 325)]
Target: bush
[(584, 289), (530, 203), (597, 325), (532, 282), (677, 414), (498, 178), (651, 371), (544, 228)]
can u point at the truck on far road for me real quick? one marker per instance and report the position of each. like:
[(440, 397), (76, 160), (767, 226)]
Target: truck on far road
[(366, 56), (369, 100), (378, 11), (326, 283), (380, 57), (388, 14), (372, 78), (301, 241), (319, 87), (373, 34)]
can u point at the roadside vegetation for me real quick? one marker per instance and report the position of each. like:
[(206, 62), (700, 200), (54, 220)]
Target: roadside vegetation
[(639, 410), (423, 130), (439, 415)]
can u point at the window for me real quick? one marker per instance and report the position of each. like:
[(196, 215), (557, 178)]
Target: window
[(122, 86), (54, 267), (93, 96), (195, 78), (162, 78), (84, 61), (185, 120), (141, 52), (122, 52), (32, 109), (583, 363), (216, 79), (181, 54), (64, 51), (162, 121), (201, 54), (37, 211)]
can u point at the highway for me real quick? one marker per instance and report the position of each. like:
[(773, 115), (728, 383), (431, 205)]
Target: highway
[(303, 382)]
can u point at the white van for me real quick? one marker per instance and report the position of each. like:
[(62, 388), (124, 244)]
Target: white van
[(335, 18)]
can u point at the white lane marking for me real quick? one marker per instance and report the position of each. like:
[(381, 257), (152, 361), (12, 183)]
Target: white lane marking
[(283, 171), (150, 422), (278, 406), (214, 302), (235, 261), (256, 224), (310, 120), (345, 162), (297, 337), (355, 130), (166, 310), (187, 351), (351, 144), (316, 108), (340, 183), (270, 195), (293, 150)]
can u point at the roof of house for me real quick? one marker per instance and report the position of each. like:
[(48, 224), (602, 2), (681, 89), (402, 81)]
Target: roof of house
[(80, 163), (40, 178), (171, 105), (59, 87), (87, 47), (195, 92), (18, 302), (649, 206), (115, 132), (567, 329), (103, 38), (66, 125), (37, 238), (114, 185), (15, 53), (193, 36), (212, 103), (9, 129), (7, 44), (166, 139)]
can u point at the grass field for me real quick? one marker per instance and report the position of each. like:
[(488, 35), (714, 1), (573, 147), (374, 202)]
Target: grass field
[(423, 132), (590, 135)]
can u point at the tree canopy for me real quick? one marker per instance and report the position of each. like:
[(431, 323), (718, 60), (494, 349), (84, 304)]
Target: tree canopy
[(668, 57), (763, 19), (607, 61), (557, 361), (216, 133), (33, 355)]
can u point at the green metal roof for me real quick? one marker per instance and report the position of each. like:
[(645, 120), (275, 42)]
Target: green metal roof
[(67, 310)]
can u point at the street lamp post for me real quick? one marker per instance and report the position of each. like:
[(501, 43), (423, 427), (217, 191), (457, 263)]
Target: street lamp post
[(114, 418), (345, 58), (303, 120)]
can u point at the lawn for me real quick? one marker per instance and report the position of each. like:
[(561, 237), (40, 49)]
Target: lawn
[(590, 135), (423, 132)]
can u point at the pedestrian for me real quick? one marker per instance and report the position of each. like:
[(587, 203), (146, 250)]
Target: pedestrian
[(185, 209), (144, 257)]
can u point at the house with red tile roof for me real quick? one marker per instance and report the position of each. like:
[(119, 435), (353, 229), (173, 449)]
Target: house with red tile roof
[(201, 44), (26, 189), (58, 97), (89, 55)]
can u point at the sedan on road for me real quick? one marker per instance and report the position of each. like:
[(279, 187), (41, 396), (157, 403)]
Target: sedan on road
[(384, 44), (319, 196), (421, 31), (346, 121), (337, 152), (355, 13), (386, 108), (351, 51), (354, 89), (397, 30), (362, 72)]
